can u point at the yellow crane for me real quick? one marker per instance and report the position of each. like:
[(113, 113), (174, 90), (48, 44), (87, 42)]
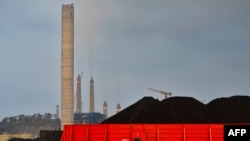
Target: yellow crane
[(166, 94)]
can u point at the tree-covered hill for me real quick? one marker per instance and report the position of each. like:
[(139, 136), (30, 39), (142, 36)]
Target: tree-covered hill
[(29, 123)]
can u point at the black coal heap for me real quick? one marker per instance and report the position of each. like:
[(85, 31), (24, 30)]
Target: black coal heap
[(235, 109)]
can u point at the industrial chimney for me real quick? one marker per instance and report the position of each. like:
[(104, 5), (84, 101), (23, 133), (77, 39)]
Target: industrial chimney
[(105, 109), (91, 96), (118, 108), (57, 112), (78, 95), (67, 65)]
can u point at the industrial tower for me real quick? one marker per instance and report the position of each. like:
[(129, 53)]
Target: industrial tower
[(78, 95), (91, 96), (57, 112), (67, 65), (118, 108), (105, 109)]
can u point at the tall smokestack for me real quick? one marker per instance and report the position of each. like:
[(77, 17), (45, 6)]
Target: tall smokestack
[(78, 95), (118, 108), (67, 65), (105, 109), (91, 96), (57, 112)]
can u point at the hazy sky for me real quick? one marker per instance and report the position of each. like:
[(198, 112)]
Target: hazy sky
[(195, 48)]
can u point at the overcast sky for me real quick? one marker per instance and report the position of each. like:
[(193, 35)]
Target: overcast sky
[(194, 48)]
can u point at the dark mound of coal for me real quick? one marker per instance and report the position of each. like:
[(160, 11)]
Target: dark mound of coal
[(133, 113), (185, 110), (20, 139), (235, 109), (45, 135), (50, 135)]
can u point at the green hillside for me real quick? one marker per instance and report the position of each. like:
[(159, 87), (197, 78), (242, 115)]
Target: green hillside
[(29, 123)]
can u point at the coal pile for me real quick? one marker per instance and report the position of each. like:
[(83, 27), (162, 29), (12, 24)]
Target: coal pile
[(234, 109), (20, 139), (186, 110), (48, 135)]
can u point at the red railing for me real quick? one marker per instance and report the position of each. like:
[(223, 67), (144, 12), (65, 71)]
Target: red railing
[(146, 132)]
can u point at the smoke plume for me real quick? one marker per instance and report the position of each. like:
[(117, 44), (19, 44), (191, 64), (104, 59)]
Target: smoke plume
[(88, 20)]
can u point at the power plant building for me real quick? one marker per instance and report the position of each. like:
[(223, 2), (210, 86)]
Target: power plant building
[(88, 118), (67, 65)]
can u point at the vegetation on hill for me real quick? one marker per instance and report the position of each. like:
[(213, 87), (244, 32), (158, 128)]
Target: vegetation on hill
[(29, 123)]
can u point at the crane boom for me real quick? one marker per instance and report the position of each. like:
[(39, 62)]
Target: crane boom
[(166, 94)]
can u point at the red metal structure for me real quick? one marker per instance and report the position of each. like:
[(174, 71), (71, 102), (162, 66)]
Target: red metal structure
[(145, 132)]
